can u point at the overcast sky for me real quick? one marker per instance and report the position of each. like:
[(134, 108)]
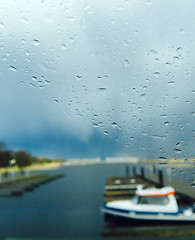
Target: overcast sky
[(98, 78)]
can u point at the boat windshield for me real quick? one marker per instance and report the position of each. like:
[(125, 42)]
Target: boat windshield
[(159, 200)]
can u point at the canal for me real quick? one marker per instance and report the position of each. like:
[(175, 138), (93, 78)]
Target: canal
[(68, 207)]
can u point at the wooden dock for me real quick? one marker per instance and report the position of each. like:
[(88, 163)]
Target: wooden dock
[(18, 185), (121, 188)]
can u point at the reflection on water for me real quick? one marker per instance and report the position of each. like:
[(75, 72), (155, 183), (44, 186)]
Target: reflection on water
[(67, 207), (148, 230)]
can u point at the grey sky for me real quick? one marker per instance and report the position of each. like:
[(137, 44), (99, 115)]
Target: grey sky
[(121, 71)]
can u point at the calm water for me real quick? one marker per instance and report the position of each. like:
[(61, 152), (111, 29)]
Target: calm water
[(67, 207)]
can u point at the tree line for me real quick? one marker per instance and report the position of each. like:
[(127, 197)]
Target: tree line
[(20, 157)]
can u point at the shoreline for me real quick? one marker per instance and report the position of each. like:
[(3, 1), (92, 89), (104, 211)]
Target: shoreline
[(37, 167)]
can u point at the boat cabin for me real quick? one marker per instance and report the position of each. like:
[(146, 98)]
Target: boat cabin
[(153, 196)]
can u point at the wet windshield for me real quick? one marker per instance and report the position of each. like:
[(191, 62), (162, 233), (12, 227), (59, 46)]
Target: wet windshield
[(100, 97), (159, 200)]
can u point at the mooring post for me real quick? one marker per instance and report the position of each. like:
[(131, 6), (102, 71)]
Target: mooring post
[(154, 169), (160, 179), (142, 173), (134, 171), (127, 170)]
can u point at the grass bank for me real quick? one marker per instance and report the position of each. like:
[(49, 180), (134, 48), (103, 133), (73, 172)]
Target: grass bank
[(37, 166)]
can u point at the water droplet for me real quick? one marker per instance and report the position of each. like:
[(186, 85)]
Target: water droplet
[(176, 58), (152, 51), (79, 77), (32, 85), (100, 124), (162, 163), (177, 150), (47, 82), (70, 18), (36, 42), (28, 52), (114, 124), (63, 46), (102, 89), (2, 24), (45, 67), (142, 97), (34, 78), (178, 144), (12, 68), (166, 123), (24, 20), (106, 132), (126, 43), (95, 125), (179, 49), (164, 115), (156, 74), (171, 82), (159, 136), (162, 158), (186, 160), (127, 63)]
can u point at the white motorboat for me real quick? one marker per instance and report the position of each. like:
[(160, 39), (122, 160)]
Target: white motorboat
[(152, 204)]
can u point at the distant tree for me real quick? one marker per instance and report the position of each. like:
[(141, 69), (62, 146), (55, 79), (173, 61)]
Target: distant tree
[(5, 157), (45, 160), (23, 158), (34, 159)]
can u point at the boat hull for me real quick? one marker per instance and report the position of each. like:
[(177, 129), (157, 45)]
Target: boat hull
[(148, 217)]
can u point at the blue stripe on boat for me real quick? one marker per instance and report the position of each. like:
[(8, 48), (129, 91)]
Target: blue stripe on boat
[(139, 212), (117, 209)]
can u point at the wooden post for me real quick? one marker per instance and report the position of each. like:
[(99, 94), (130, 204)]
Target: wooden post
[(134, 171), (154, 169), (127, 170), (142, 173), (160, 179)]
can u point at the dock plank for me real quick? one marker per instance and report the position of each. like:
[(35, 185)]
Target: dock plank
[(16, 186)]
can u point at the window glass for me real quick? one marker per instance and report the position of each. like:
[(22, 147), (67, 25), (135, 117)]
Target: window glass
[(159, 200), (99, 81), (98, 74)]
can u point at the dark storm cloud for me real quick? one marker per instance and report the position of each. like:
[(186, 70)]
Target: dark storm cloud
[(120, 70)]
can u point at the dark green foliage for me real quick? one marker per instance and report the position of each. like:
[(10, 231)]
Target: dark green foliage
[(22, 158), (5, 157)]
